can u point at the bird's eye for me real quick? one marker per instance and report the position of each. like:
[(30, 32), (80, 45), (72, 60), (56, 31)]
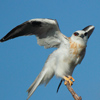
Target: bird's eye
[(76, 33), (86, 34)]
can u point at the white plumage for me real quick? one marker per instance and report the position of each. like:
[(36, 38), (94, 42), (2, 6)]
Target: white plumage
[(69, 52)]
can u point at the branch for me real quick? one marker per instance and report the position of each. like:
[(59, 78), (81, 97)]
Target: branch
[(75, 96)]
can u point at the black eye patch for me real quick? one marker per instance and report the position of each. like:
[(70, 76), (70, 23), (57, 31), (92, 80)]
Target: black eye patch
[(76, 33)]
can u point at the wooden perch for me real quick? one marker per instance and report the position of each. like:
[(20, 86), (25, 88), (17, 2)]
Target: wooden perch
[(75, 96)]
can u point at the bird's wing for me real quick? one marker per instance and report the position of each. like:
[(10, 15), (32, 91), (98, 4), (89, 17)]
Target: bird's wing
[(46, 30), (89, 29)]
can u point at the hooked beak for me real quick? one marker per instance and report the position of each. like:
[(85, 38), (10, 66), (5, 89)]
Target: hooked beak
[(89, 29), (82, 36)]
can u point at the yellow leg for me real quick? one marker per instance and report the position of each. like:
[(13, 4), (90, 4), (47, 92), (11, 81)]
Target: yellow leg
[(69, 78)]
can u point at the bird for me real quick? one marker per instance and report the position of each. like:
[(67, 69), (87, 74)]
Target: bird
[(62, 61)]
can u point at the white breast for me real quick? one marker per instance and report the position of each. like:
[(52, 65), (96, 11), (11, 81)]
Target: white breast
[(68, 58)]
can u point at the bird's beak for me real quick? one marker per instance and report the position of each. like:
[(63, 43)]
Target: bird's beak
[(89, 29), (82, 36)]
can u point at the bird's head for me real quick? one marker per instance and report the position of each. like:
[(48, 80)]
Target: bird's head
[(82, 36)]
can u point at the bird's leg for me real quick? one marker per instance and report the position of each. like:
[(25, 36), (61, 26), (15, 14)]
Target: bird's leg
[(70, 79)]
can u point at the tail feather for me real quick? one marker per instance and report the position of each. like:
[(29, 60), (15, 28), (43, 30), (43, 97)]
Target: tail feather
[(35, 84)]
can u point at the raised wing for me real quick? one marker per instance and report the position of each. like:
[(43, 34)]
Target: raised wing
[(89, 29), (46, 30)]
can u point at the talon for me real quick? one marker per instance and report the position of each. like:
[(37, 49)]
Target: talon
[(69, 78)]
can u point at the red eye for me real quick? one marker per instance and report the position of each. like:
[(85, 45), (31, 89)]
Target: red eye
[(76, 33)]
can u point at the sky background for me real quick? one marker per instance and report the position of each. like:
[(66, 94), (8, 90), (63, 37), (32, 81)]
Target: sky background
[(21, 59)]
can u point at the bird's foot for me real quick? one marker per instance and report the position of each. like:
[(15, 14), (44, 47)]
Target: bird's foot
[(69, 79)]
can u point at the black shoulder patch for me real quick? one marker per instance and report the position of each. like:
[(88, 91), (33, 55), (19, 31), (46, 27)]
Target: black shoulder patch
[(86, 28), (36, 23)]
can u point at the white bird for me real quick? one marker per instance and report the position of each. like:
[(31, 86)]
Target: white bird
[(69, 53)]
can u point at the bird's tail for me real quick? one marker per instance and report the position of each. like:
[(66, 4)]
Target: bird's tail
[(35, 84)]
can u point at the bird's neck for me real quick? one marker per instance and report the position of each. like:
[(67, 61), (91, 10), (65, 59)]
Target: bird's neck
[(80, 42), (76, 47)]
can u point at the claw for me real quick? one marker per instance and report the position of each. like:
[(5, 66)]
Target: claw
[(69, 78)]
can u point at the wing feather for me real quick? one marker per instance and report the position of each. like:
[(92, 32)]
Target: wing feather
[(46, 30)]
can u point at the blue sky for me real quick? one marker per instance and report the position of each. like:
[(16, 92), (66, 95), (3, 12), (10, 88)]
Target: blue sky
[(21, 59)]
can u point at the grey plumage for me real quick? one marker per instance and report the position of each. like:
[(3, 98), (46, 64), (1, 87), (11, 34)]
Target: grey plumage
[(69, 52)]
